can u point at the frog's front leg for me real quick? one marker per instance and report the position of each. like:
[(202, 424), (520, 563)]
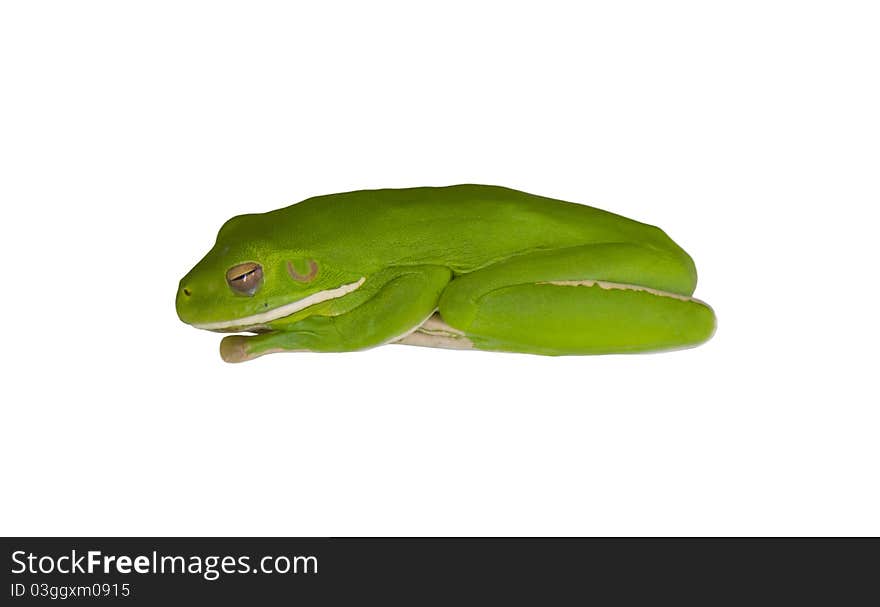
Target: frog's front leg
[(398, 307)]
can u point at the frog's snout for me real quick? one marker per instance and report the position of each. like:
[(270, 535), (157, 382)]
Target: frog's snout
[(184, 296)]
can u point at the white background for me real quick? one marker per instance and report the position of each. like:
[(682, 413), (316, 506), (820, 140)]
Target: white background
[(130, 131)]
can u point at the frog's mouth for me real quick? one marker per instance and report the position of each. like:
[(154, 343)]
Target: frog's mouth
[(256, 322)]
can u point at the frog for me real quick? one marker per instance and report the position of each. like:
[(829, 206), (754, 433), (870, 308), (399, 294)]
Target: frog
[(462, 267)]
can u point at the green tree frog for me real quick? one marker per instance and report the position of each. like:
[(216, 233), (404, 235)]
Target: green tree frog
[(466, 266)]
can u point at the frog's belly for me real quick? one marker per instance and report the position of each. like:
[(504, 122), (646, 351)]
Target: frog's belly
[(434, 333)]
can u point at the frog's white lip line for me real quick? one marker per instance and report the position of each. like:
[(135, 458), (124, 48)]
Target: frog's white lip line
[(282, 311)]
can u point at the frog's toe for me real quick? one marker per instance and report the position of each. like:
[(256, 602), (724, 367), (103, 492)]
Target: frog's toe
[(233, 349)]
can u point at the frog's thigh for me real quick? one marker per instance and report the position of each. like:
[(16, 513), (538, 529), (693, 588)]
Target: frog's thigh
[(400, 306), (566, 309)]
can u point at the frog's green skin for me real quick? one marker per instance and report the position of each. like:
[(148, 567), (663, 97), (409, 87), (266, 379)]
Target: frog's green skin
[(467, 266)]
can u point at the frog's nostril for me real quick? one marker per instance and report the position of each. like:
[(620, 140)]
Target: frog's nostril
[(187, 292)]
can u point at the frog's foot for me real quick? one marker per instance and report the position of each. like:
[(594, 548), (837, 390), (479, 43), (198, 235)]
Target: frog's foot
[(241, 348), (233, 349)]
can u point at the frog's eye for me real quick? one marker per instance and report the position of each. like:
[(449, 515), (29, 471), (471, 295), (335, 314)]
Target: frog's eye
[(245, 278)]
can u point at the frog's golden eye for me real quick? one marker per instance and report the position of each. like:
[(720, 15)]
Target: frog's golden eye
[(245, 278)]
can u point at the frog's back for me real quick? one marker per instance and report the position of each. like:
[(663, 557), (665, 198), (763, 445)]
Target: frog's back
[(461, 226)]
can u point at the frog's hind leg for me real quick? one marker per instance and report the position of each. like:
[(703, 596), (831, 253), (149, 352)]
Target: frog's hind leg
[(595, 299)]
